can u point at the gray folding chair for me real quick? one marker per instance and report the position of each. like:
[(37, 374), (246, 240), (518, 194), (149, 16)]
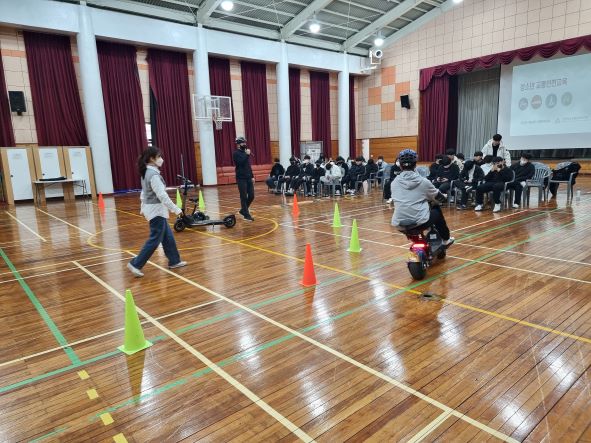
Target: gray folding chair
[(568, 182), (537, 181)]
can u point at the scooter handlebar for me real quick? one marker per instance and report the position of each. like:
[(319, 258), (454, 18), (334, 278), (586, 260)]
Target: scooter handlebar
[(184, 179)]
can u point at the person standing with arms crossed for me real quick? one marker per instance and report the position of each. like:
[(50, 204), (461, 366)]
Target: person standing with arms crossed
[(244, 177)]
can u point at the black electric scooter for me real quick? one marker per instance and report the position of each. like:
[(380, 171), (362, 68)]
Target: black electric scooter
[(197, 218)]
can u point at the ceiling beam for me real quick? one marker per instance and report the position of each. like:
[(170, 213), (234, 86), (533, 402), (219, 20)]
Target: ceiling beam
[(240, 28), (295, 23), (421, 21), (378, 24), (205, 10), (145, 9)]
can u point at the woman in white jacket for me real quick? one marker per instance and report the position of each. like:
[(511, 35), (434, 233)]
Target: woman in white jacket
[(496, 148), (333, 175)]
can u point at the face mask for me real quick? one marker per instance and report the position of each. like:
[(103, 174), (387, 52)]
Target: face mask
[(159, 161), (522, 162), (306, 161), (397, 163), (379, 162)]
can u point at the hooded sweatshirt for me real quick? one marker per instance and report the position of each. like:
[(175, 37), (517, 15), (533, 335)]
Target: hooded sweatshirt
[(411, 194)]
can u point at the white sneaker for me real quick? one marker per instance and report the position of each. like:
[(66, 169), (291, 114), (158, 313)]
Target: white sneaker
[(389, 201), (449, 242), (180, 264), (515, 206), (135, 271), (478, 208), (337, 192), (497, 207)]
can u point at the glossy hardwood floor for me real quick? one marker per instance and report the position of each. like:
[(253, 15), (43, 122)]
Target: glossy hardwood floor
[(242, 352)]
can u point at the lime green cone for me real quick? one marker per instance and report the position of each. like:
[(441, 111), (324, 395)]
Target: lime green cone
[(179, 200), (134, 335), (201, 202), (336, 218), (354, 245)]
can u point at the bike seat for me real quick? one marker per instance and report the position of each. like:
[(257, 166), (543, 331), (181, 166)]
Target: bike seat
[(194, 200)]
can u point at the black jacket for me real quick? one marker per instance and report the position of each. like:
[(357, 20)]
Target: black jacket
[(503, 176), (242, 162), (355, 170), (525, 172), (277, 170), (433, 171), (478, 176), (318, 172), (306, 170), (292, 170), (371, 168), (451, 173)]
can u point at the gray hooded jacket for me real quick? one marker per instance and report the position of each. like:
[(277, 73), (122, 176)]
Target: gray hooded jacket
[(411, 194)]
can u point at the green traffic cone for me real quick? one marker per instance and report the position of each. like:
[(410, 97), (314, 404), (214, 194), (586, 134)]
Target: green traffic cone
[(201, 202), (336, 218), (179, 200), (134, 335), (354, 245)]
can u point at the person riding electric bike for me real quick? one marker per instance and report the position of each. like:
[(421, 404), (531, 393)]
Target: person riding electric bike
[(412, 195)]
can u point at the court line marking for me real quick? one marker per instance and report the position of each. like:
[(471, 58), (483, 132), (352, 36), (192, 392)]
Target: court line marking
[(423, 433), (41, 310), (63, 262), (25, 226), (92, 394), (206, 361), (104, 334), (338, 354), (64, 221)]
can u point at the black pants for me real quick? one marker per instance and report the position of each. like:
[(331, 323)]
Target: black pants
[(388, 189), (462, 187), (496, 188), (246, 188), (443, 186), (516, 186), (436, 219)]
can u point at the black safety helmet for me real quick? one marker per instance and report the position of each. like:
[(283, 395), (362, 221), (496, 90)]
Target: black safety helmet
[(240, 140)]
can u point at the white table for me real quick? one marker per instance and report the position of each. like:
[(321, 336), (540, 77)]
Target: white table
[(68, 184)]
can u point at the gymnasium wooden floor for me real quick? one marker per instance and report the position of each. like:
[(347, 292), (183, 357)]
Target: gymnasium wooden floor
[(242, 352)]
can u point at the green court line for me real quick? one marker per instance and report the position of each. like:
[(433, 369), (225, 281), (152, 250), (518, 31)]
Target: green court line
[(41, 310), (50, 434), (193, 326)]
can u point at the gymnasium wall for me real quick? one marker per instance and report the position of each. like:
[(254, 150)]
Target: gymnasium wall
[(471, 29)]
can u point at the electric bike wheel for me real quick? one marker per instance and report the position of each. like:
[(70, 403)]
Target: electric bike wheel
[(230, 221), (418, 270), (179, 225)]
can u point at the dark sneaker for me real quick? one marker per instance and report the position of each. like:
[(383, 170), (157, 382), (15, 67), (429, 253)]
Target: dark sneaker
[(248, 218)]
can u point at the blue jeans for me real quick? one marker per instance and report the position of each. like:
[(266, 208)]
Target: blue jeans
[(160, 232)]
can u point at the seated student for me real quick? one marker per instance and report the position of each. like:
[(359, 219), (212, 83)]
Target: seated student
[(494, 181), (317, 174), (434, 167), (478, 158), (451, 154), (382, 165), (524, 170), (332, 176), (564, 174), (356, 172), (411, 194), (371, 168), (446, 173), (391, 174), (292, 172), (276, 171), (487, 164), (304, 175), (470, 176), (462, 159), (341, 163)]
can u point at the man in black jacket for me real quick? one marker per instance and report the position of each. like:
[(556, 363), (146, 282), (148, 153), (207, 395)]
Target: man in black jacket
[(276, 171), (244, 177), (470, 176), (356, 172), (305, 174), (434, 167), (524, 171), (447, 172), (494, 181)]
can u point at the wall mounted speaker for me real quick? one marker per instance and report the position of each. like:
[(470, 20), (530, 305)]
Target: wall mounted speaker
[(17, 102), (405, 101)]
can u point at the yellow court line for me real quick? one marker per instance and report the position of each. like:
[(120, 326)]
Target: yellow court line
[(215, 368), (64, 221), (423, 433), (119, 438), (104, 334), (83, 375), (106, 418), (25, 226), (339, 355), (92, 394)]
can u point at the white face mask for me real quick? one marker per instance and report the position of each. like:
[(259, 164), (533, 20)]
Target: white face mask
[(306, 161), (159, 161), (397, 163), (522, 162)]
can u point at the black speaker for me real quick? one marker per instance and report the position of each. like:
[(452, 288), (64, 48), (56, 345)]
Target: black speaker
[(405, 101), (17, 102)]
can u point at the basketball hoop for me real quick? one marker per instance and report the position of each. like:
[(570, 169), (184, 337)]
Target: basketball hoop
[(218, 123), (214, 108)]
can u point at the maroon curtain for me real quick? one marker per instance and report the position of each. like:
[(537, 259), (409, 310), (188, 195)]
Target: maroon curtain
[(124, 111), (220, 83), (6, 132), (295, 110), (547, 50), (169, 83), (352, 128), (54, 89), (434, 116), (256, 111), (451, 138), (320, 100)]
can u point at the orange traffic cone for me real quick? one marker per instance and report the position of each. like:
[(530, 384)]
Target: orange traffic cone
[(101, 202), (309, 278), (295, 211)]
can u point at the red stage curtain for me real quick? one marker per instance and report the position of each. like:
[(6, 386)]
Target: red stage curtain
[(320, 99), (434, 116), (220, 83), (352, 128), (295, 110), (6, 132), (547, 50), (54, 89), (256, 111), (124, 112), (169, 82)]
